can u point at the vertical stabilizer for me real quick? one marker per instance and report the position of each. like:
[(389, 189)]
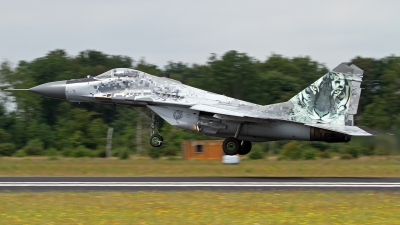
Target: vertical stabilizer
[(332, 99)]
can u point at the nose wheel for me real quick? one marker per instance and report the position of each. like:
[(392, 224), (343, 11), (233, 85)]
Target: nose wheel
[(156, 140)]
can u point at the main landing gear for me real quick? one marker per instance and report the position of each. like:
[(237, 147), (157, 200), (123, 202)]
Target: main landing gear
[(156, 140), (233, 146)]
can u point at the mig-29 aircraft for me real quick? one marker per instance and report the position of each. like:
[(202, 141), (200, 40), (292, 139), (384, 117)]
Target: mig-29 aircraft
[(324, 111)]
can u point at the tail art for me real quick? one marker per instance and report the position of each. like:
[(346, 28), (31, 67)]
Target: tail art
[(332, 99)]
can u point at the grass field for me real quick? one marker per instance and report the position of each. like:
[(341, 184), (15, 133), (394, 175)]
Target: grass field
[(200, 207), (42, 166)]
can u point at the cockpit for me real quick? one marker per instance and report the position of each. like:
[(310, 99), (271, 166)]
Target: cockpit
[(119, 72)]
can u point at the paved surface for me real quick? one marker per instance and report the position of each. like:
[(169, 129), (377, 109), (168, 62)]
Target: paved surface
[(195, 183)]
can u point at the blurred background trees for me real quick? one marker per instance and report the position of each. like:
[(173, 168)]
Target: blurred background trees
[(32, 125)]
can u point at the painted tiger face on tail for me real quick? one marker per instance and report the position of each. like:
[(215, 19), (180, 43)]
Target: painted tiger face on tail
[(325, 101)]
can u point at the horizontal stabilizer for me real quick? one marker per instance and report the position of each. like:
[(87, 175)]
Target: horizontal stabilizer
[(350, 130), (372, 131)]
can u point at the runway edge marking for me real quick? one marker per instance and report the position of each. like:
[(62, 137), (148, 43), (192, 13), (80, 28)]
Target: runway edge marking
[(199, 184)]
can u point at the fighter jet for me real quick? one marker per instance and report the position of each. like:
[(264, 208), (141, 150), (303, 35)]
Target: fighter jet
[(323, 111)]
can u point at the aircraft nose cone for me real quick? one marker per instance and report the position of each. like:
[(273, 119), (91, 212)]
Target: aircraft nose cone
[(51, 90)]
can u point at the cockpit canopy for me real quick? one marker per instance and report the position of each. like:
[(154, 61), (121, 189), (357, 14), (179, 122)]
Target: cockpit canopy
[(119, 72)]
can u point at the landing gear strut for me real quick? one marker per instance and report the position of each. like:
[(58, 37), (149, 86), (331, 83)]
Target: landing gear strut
[(156, 140)]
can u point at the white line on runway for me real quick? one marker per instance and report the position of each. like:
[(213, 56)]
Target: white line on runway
[(197, 184)]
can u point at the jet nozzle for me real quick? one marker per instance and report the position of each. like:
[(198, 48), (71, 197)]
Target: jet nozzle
[(51, 90)]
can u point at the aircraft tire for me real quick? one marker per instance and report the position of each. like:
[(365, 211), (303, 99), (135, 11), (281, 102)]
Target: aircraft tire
[(245, 148), (156, 140), (231, 146)]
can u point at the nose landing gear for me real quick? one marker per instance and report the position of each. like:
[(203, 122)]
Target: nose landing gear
[(156, 140)]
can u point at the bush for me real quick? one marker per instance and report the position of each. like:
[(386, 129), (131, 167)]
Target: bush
[(319, 145), (346, 156), (7, 149), (81, 151), (34, 147), (281, 157), (154, 153), (385, 145), (19, 153), (170, 150), (66, 152), (278, 146), (53, 158), (115, 152), (256, 153), (366, 150), (353, 151), (123, 154), (309, 154), (325, 154), (171, 158), (51, 152), (336, 147), (102, 153), (291, 150), (381, 151)]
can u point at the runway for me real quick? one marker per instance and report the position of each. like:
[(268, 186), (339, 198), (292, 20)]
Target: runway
[(195, 183)]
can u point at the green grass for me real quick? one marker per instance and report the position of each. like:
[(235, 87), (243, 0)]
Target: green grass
[(42, 166), (200, 207)]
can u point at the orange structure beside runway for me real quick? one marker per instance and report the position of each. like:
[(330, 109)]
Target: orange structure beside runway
[(202, 149)]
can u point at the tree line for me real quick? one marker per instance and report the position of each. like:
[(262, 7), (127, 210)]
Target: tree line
[(35, 125)]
